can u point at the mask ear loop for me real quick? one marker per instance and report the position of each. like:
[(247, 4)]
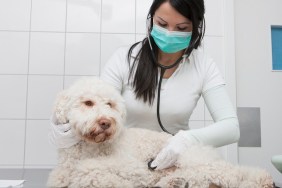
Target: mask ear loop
[(148, 36)]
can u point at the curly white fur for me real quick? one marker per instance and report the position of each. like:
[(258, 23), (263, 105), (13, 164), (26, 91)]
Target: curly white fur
[(110, 155)]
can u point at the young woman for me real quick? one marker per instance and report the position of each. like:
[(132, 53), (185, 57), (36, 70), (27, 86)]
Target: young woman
[(162, 78)]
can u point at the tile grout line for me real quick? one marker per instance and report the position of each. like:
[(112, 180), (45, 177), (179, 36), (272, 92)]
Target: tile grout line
[(100, 42), (106, 33), (117, 33), (65, 45), (27, 86), (135, 24), (30, 74)]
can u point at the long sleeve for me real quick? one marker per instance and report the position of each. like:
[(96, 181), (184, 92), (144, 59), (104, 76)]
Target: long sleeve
[(225, 129), (116, 69)]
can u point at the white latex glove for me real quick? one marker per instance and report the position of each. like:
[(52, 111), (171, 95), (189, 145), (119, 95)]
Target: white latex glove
[(170, 153), (61, 136)]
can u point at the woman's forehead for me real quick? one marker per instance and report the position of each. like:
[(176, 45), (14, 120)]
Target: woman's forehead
[(170, 15)]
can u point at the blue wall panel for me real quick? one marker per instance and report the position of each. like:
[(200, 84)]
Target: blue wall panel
[(276, 38)]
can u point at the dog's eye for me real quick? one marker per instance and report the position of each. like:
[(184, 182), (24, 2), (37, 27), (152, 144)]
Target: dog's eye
[(109, 104), (89, 103)]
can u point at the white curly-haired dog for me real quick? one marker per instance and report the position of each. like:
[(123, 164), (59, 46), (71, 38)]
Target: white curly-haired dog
[(110, 155)]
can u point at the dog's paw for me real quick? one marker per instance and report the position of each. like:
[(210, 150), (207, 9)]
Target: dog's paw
[(178, 183), (57, 179), (57, 183), (174, 183)]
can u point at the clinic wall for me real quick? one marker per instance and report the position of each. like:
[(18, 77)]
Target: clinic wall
[(257, 85), (46, 44)]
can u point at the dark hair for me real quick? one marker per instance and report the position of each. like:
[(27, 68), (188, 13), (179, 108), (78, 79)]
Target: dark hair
[(145, 78)]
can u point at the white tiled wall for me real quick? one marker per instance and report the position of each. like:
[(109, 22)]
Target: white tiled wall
[(259, 86), (48, 15), (46, 44)]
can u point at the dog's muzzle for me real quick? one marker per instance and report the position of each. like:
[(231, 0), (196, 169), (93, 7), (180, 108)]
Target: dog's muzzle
[(102, 130)]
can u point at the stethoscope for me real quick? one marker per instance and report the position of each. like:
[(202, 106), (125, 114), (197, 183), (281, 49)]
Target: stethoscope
[(163, 68), (162, 71)]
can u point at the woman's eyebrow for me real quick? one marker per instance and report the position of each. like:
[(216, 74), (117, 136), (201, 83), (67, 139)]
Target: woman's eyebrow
[(176, 24), (184, 23), (162, 19)]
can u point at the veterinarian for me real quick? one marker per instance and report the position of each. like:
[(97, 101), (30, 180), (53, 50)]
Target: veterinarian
[(162, 78)]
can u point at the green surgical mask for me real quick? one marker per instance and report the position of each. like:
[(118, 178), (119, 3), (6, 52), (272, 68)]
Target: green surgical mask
[(170, 41)]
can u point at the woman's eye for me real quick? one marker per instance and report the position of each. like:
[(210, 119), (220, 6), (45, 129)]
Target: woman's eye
[(182, 28), (162, 25), (89, 103)]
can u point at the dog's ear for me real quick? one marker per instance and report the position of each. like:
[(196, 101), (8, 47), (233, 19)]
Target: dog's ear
[(61, 107), (121, 108)]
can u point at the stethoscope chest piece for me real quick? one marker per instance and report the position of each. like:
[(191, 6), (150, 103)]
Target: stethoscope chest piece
[(149, 165)]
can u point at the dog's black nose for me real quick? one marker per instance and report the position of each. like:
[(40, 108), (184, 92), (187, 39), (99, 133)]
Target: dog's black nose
[(104, 124)]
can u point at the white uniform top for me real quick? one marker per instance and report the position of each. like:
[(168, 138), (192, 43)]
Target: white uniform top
[(198, 75), (179, 93)]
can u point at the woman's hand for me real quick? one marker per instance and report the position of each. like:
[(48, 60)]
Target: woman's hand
[(61, 135), (169, 154)]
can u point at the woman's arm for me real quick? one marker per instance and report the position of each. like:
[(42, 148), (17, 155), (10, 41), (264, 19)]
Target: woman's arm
[(224, 130), (116, 69)]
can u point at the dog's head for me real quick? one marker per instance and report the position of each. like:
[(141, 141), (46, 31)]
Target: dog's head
[(94, 109)]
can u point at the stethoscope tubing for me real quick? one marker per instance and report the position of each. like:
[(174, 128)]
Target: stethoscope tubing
[(162, 71), (163, 68)]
